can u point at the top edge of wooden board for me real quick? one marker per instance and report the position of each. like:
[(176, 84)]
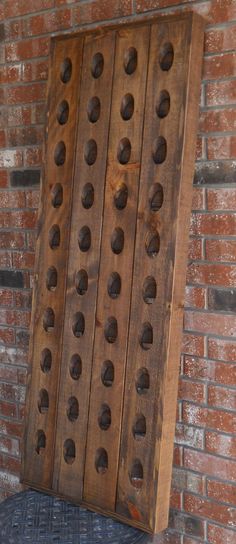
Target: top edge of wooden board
[(130, 21)]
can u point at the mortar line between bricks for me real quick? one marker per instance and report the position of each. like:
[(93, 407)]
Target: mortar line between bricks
[(211, 499), (208, 382), (207, 358), (197, 517), (207, 453)]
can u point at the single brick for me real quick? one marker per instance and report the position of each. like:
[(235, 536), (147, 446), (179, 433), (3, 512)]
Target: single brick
[(221, 147), (222, 300), (211, 274), (221, 199), (208, 509), (220, 535), (191, 391), (221, 93), (183, 523), (220, 420), (99, 10), (193, 344), (194, 297), (219, 66), (217, 172), (203, 369), (210, 465), (224, 350), (222, 397), (186, 435), (217, 40), (217, 120), (11, 278), (221, 444), (221, 250), (208, 323), (25, 178)]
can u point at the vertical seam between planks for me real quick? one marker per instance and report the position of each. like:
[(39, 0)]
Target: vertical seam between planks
[(66, 270), (132, 279), (100, 251)]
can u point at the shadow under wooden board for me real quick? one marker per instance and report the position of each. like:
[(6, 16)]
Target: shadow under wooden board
[(110, 266)]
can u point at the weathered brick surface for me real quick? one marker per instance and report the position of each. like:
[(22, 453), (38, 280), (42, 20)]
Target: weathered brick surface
[(203, 495)]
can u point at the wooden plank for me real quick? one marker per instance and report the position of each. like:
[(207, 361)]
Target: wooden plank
[(118, 292), (51, 258), (121, 195), (81, 295), (159, 277)]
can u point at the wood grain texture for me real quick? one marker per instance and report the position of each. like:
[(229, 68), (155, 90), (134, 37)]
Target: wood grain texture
[(38, 467), (68, 478), (100, 485), (152, 374), (123, 109)]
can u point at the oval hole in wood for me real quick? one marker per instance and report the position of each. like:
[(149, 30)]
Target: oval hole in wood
[(156, 197), (130, 60), (73, 409), (117, 240), (43, 401), (48, 320), (142, 381), (78, 326), (153, 244), (40, 442), (75, 367), (136, 474), (149, 290), (63, 112), (66, 70), (111, 330), (51, 278), (108, 373), (163, 104), (57, 195), (69, 451), (46, 360), (104, 418), (94, 109), (159, 150), (101, 461), (60, 153), (54, 237), (139, 427), (127, 107), (90, 152), (146, 336), (166, 56), (87, 197), (84, 239), (97, 65), (81, 282), (114, 285), (121, 197), (124, 151)]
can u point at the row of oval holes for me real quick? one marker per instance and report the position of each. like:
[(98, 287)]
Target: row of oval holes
[(117, 242)]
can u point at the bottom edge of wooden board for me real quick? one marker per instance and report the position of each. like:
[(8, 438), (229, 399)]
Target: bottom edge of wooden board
[(91, 507)]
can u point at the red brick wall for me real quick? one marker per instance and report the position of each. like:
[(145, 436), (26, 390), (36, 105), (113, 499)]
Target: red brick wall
[(204, 476)]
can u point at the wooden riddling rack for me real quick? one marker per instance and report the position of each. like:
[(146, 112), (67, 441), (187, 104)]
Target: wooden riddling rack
[(110, 266)]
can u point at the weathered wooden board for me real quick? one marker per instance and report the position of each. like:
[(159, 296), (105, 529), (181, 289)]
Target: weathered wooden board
[(108, 297)]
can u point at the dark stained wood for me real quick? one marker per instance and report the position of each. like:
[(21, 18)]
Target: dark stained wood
[(68, 478), (38, 467), (128, 99), (111, 294), (152, 370)]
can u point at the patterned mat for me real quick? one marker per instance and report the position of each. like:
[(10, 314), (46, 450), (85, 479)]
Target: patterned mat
[(35, 518)]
